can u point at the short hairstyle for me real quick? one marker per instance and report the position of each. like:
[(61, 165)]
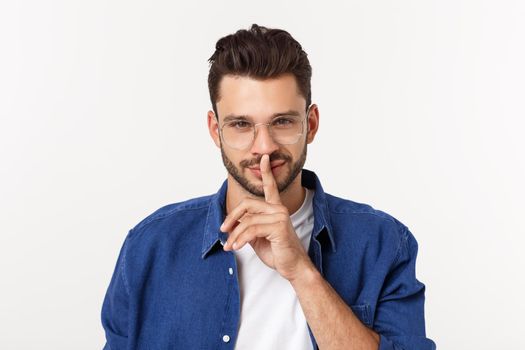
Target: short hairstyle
[(259, 53)]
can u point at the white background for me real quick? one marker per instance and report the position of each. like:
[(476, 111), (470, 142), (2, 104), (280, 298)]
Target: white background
[(103, 120)]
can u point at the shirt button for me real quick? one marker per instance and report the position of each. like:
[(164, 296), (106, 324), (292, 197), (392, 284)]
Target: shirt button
[(230, 271), (226, 338)]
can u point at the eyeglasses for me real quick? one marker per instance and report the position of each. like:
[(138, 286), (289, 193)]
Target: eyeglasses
[(285, 130)]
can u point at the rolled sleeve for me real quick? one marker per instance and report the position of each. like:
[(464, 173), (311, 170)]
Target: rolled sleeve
[(405, 343), (399, 315)]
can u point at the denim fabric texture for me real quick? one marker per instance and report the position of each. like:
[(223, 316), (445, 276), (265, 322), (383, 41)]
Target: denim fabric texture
[(174, 287)]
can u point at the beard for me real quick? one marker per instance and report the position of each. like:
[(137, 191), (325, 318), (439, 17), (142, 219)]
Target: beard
[(257, 190)]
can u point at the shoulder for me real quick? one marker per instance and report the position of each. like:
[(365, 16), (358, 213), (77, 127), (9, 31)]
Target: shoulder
[(171, 217), (367, 223), (338, 205)]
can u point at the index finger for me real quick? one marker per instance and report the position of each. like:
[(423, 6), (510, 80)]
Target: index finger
[(271, 192)]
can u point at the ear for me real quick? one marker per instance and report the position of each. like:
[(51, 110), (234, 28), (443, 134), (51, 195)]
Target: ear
[(213, 128), (313, 123)]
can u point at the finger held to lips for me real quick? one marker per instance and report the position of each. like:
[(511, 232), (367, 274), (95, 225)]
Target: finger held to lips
[(247, 206), (271, 193)]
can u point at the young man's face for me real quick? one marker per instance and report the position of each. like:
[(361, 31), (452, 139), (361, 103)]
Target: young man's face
[(259, 101)]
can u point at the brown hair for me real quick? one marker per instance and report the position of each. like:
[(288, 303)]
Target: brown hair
[(260, 53)]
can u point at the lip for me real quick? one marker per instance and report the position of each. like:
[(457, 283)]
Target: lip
[(275, 169), (273, 165)]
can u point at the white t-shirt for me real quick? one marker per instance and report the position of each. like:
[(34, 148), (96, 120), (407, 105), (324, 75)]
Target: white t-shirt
[(271, 316)]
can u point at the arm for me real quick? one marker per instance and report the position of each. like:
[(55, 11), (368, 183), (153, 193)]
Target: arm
[(331, 320), (398, 321), (115, 306), (399, 316)]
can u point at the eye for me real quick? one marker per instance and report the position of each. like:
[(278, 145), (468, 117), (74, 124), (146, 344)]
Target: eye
[(284, 122), (239, 124)]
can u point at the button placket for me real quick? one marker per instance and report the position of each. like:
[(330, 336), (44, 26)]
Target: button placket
[(230, 322)]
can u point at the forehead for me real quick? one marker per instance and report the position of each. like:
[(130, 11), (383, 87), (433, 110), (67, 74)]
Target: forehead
[(258, 98)]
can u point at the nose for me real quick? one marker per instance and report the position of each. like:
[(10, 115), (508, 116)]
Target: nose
[(263, 142)]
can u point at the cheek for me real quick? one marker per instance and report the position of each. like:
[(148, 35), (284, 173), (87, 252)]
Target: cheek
[(295, 150), (235, 156)]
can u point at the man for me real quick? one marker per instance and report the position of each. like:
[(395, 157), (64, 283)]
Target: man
[(270, 261)]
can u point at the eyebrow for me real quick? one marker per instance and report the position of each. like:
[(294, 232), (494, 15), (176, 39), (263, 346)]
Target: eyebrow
[(290, 112)]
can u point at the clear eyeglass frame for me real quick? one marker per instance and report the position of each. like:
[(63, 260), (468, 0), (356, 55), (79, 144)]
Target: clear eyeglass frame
[(254, 128)]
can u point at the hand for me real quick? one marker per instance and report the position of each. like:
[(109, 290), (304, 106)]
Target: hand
[(266, 225)]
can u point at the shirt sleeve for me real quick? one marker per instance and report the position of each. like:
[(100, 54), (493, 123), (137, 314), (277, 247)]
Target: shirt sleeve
[(399, 318), (115, 306)]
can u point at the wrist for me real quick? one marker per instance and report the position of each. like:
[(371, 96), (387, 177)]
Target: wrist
[(306, 274)]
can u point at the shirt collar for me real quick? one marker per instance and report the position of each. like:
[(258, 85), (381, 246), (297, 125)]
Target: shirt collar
[(216, 213)]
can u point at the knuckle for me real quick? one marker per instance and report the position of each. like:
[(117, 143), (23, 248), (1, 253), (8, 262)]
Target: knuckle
[(238, 229), (283, 209), (244, 231), (252, 230), (283, 216), (246, 220)]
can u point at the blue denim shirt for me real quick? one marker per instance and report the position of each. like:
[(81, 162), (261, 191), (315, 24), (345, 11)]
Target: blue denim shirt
[(174, 287)]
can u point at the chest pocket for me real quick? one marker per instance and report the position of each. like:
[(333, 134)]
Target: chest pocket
[(362, 311)]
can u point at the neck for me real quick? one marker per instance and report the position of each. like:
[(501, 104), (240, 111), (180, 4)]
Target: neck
[(292, 198)]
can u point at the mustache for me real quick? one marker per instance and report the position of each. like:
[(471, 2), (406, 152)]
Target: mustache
[(274, 156)]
